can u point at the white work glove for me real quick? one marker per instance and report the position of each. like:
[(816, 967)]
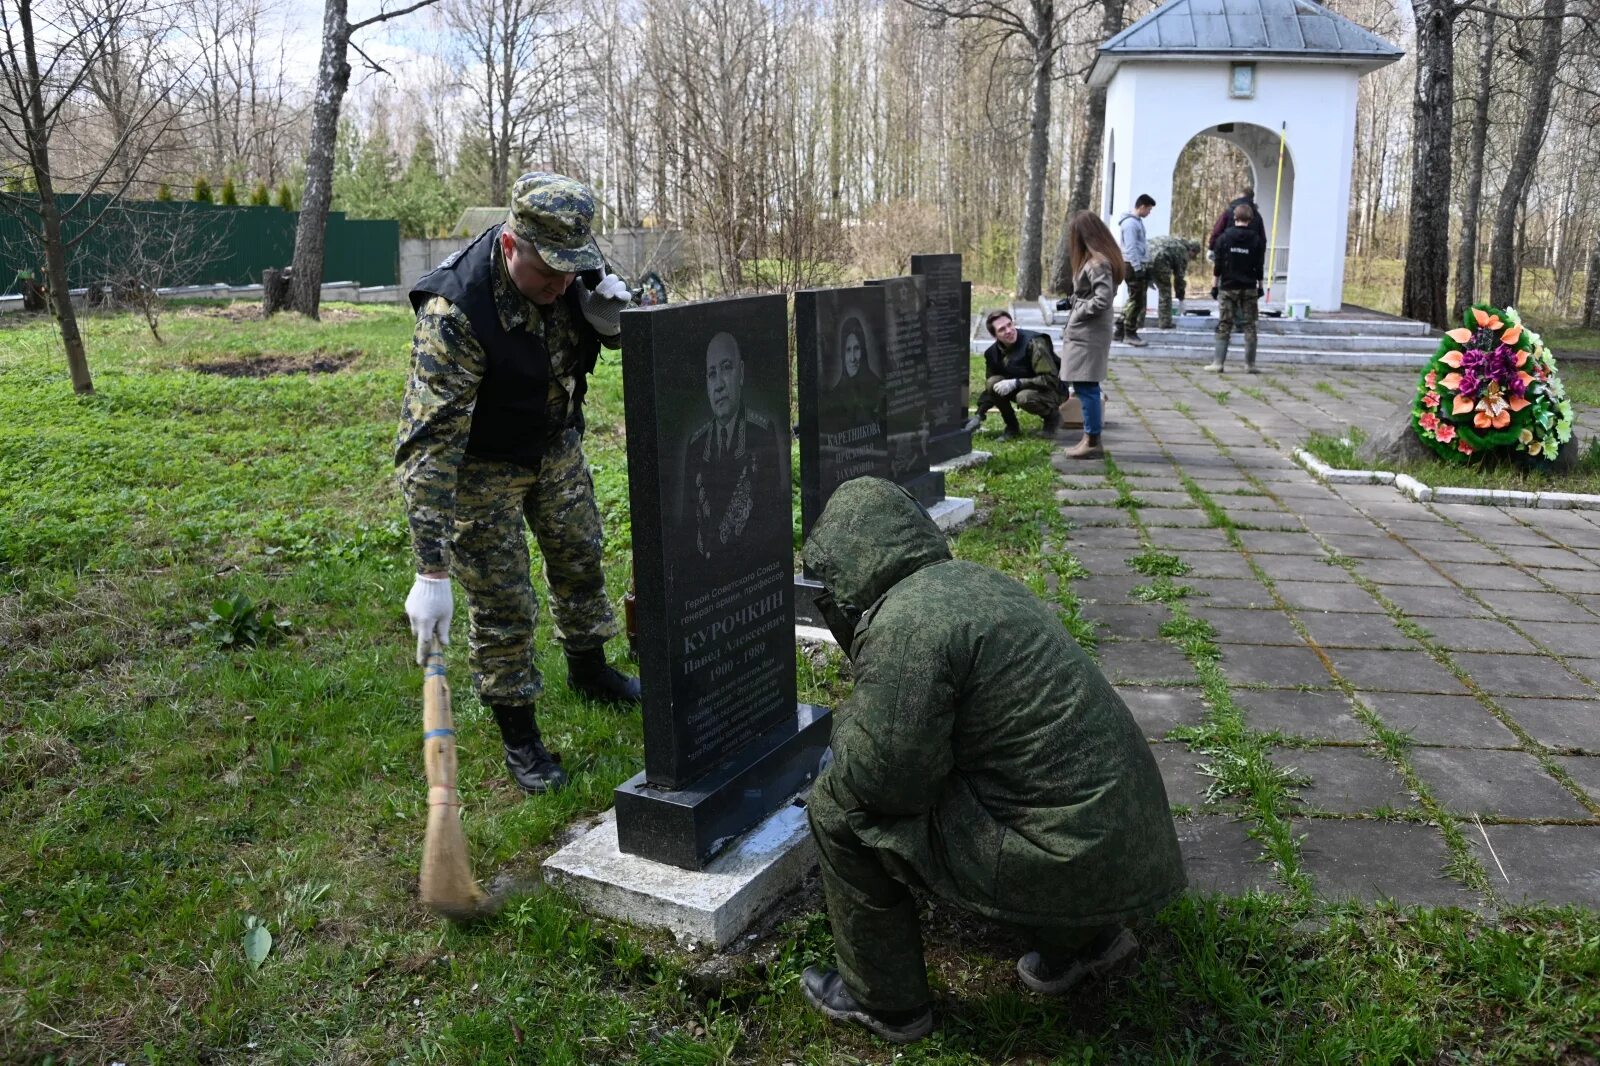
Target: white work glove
[(603, 305), (1006, 387), (429, 606)]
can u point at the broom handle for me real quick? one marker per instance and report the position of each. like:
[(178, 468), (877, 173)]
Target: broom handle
[(438, 731)]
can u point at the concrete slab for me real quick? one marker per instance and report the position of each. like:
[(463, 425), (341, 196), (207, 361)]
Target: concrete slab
[(1301, 568), (1220, 856), (1109, 588), (1344, 629), (1505, 784), (1372, 861), (1520, 675), (1235, 625), (1585, 771), (1560, 724), (1128, 621), (1449, 721), (1345, 780), (1161, 710), (961, 462), (1310, 715), (1420, 602), (1557, 864), (1180, 774), (1394, 671), (1207, 564), (1144, 660), (1279, 667), (951, 512), (1477, 634), (711, 906), (1168, 517), (1175, 539), (1326, 596), (1275, 543), (1231, 592)]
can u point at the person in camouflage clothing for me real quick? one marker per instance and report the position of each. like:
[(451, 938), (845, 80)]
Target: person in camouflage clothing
[(981, 757), (1241, 262), (1021, 370), (491, 442), (1169, 266)]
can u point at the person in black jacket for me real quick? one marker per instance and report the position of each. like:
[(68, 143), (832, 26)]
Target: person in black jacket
[(1241, 256), (1247, 197), (1021, 370)]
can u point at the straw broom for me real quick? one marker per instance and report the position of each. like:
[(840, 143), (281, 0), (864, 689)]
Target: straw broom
[(447, 884)]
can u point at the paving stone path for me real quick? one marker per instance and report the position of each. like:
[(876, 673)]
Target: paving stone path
[(1428, 675)]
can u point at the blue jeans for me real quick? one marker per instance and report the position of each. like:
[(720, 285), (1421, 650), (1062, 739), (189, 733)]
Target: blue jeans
[(1088, 394)]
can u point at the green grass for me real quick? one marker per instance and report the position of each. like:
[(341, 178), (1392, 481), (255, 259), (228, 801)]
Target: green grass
[(159, 792), (1340, 451)]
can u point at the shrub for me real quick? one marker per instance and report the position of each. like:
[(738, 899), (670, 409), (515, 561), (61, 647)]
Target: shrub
[(1491, 390), (202, 190), (285, 196), (259, 197), (164, 193), (230, 193)]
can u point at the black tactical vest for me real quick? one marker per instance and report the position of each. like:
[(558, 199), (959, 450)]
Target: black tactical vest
[(510, 415)]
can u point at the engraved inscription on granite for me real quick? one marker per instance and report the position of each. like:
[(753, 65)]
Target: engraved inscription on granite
[(947, 322)]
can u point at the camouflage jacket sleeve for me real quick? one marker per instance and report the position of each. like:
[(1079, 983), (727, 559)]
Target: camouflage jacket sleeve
[(447, 363), (1044, 367)]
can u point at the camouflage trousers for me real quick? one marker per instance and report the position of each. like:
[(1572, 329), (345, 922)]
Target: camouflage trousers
[(495, 503), (1034, 401), (1138, 297), (877, 935), (1167, 282), (1237, 308)]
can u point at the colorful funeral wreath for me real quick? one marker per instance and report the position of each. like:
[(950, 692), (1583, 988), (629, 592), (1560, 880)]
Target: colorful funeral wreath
[(1492, 387)]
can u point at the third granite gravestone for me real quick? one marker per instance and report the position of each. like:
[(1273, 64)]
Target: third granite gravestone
[(948, 320), (906, 381), (707, 398)]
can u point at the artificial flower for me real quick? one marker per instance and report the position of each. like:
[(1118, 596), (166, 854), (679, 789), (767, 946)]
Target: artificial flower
[(1431, 400), (1463, 447), (1446, 432), (1429, 421)]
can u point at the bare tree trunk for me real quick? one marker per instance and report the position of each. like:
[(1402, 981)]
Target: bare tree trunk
[(311, 228), (1467, 254), (1086, 159), (1030, 268), (35, 132), (1504, 263), (1591, 289), (1427, 276)]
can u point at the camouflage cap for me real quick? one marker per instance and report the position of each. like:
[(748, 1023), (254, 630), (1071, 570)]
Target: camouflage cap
[(554, 212), (1192, 245)]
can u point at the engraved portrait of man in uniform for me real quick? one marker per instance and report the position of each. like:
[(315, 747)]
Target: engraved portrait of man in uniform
[(732, 464)]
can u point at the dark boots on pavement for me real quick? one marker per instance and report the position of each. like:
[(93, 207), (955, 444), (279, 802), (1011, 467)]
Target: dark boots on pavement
[(1052, 422), (533, 767), (826, 991), (588, 674), (1052, 974), (1220, 359)]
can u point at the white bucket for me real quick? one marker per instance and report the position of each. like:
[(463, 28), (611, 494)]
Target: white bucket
[(1299, 309)]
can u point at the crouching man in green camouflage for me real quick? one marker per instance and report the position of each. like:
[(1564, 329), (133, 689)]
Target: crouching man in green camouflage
[(491, 438), (1169, 268), (981, 757)]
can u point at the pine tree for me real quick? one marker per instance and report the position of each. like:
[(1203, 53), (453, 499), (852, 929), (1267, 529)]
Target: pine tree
[(285, 196), (259, 197), (230, 193), (164, 193), (202, 190)]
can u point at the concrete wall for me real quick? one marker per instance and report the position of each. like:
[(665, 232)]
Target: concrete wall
[(1154, 109), (418, 255)]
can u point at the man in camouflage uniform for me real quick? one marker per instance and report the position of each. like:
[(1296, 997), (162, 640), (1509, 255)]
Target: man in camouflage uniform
[(1020, 369), (491, 439), (1169, 266), (1241, 262), (981, 757)]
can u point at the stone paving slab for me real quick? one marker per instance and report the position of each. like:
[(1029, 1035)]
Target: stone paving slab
[(1560, 724), (1173, 539), (1161, 710), (1520, 675), (1585, 772), (1556, 864), (1127, 621), (1493, 784), (1216, 564), (1318, 716), (1235, 625), (1180, 773), (1339, 629), (1394, 671), (1327, 596), (1372, 544), (1422, 602), (1220, 856), (1144, 660), (1279, 667), (1565, 638), (1373, 861), (1449, 721), (1478, 634), (1231, 592), (1344, 780)]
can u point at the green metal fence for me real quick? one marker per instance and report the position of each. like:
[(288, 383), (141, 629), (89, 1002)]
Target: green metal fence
[(195, 244)]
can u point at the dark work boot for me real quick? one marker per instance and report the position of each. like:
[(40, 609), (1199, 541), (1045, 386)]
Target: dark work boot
[(590, 675), (533, 767), (1250, 353), (1053, 976), (826, 991), (1052, 422), (1220, 359), (1116, 330), (1013, 428)]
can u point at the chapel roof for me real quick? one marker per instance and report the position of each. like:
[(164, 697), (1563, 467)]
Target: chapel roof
[(1284, 30)]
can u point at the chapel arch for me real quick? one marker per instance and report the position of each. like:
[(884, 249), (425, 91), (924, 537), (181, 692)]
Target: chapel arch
[(1213, 166)]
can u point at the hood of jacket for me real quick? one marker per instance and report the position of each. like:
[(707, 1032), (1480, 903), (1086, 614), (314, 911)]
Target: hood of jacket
[(871, 536)]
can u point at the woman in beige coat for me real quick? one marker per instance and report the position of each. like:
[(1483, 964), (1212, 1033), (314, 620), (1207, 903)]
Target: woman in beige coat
[(1097, 270)]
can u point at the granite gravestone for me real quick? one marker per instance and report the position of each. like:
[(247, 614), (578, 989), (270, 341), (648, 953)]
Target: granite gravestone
[(840, 366), (906, 379), (726, 743), (948, 321)]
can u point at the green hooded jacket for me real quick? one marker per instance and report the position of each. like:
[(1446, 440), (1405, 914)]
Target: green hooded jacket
[(980, 745)]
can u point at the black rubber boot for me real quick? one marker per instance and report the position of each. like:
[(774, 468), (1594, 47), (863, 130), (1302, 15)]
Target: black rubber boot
[(826, 991), (1013, 428), (534, 769), (1052, 422), (590, 675), (1116, 330)]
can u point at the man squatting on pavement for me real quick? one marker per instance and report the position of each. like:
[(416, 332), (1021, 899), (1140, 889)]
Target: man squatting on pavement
[(1022, 370), (491, 437), (981, 757)]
